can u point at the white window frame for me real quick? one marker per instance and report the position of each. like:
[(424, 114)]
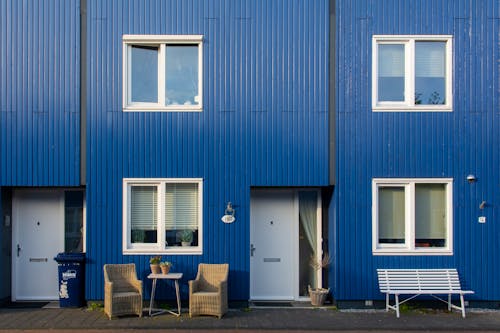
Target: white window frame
[(162, 41), (409, 248), (159, 247), (409, 103)]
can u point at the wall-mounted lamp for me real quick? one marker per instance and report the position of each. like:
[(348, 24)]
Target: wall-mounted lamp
[(482, 204), (228, 214), (471, 178)]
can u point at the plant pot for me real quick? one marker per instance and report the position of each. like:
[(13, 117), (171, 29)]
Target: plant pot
[(165, 269), (318, 295), (186, 243), (155, 268)]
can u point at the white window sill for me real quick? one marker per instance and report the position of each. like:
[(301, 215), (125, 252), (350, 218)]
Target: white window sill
[(171, 251), (415, 252), (176, 108), (405, 108)]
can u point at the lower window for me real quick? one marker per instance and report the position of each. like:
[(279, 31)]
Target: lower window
[(412, 216), (162, 216)]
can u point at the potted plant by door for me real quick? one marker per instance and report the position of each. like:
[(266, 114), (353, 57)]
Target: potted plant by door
[(154, 263), (165, 267), (186, 237), (318, 295)]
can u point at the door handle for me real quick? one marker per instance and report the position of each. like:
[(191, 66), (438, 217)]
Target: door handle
[(18, 249), (252, 250)]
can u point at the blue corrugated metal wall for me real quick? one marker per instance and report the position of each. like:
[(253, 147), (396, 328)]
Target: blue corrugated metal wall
[(264, 122), (417, 144), (39, 93)]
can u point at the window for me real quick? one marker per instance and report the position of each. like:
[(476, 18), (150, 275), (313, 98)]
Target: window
[(412, 73), (162, 72), (74, 202), (162, 216), (412, 216)]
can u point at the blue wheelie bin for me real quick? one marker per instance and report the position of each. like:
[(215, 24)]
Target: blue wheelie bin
[(71, 267)]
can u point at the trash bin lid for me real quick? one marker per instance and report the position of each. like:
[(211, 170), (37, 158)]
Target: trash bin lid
[(70, 257)]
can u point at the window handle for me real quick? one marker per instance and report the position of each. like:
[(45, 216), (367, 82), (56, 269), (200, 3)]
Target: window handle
[(18, 249), (252, 250)]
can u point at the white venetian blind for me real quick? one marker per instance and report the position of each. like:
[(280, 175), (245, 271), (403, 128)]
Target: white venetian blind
[(430, 59), (391, 60), (181, 206), (144, 207)]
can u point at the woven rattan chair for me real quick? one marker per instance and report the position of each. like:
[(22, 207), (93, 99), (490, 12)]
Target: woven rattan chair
[(208, 292), (122, 290)]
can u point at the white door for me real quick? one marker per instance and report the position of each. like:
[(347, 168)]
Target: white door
[(38, 235), (273, 238)]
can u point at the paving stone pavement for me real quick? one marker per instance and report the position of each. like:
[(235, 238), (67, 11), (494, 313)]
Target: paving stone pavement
[(248, 319)]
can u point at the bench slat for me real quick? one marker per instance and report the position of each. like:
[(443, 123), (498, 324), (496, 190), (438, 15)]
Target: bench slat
[(429, 292)]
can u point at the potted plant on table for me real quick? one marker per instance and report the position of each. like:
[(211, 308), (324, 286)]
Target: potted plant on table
[(154, 263), (165, 267), (318, 295)]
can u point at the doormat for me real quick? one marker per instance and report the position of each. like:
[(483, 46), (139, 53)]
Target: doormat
[(273, 304), (52, 305), (25, 305)]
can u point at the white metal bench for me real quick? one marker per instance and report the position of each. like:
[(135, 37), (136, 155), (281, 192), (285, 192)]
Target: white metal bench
[(421, 282)]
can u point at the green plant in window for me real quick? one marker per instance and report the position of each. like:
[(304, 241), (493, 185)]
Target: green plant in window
[(138, 236), (435, 98), (185, 237), (418, 98)]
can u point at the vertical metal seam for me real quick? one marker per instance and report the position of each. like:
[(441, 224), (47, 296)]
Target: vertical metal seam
[(83, 92)]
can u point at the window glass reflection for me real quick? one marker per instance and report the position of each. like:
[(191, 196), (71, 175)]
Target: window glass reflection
[(391, 69), (181, 75), (144, 77), (430, 78)]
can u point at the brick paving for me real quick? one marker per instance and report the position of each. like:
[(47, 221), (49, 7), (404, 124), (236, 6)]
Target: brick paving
[(247, 319)]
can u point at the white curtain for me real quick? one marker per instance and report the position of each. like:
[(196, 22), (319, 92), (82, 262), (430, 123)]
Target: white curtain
[(307, 216), (430, 211)]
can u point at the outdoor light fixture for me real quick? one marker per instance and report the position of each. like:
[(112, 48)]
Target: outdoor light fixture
[(228, 214), (471, 178)]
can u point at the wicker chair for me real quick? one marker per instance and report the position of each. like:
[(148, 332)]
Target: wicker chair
[(122, 290), (208, 292)]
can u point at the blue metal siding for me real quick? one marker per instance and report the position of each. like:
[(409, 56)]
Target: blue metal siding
[(264, 122), (39, 93), (412, 145)]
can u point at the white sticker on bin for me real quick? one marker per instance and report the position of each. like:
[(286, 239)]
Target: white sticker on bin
[(70, 274)]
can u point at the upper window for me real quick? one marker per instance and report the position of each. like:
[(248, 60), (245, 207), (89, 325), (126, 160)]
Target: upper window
[(412, 73), (162, 73), (162, 216), (412, 216)]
